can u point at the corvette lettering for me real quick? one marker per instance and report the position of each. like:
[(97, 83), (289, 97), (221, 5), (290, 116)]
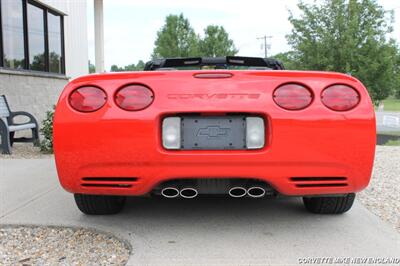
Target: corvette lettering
[(216, 96)]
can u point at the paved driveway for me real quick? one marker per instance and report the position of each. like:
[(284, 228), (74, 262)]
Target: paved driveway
[(200, 231)]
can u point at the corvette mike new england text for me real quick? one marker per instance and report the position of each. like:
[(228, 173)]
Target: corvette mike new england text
[(350, 260)]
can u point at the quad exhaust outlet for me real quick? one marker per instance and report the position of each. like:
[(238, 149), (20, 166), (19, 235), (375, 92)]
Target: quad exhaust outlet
[(173, 192), (237, 192), (256, 192), (188, 193), (235, 189), (170, 192)]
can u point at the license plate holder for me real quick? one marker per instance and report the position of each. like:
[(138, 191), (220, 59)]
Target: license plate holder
[(213, 132)]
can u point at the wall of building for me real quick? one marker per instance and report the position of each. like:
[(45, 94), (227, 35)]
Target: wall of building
[(35, 94), (75, 34)]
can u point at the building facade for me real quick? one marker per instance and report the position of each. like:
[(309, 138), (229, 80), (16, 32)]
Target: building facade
[(43, 44)]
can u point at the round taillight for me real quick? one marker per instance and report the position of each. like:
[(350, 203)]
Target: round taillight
[(293, 96), (87, 99), (340, 97), (134, 97)]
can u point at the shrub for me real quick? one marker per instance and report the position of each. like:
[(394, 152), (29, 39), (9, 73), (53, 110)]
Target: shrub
[(46, 145)]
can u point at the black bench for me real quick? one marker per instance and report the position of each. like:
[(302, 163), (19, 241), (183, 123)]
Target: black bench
[(8, 127)]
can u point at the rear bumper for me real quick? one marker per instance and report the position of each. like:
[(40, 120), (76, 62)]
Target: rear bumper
[(115, 148), (312, 142)]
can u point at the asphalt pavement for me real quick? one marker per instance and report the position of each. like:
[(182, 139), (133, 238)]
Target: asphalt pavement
[(204, 231)]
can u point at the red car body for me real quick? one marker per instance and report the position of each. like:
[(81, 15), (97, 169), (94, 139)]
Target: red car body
[(300, 145)]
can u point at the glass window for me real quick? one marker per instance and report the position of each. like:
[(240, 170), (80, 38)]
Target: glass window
[(54, 26), (36, 38), (37, 32), (13, 34)]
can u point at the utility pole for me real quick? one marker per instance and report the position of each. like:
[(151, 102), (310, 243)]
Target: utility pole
[(266, 45)]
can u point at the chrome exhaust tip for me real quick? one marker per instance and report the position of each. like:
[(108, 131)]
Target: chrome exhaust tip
[(237, 192), (188, 193), (170, 192), (256, 192)]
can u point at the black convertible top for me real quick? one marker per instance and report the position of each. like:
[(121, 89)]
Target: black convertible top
[(218, 62)]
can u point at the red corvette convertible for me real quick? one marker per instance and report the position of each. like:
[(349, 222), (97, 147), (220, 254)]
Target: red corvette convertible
[(236, 126)]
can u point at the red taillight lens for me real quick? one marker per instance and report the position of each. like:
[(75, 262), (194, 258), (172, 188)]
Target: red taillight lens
[(293, 96), (87, 99), (340, 97), (134, 97)]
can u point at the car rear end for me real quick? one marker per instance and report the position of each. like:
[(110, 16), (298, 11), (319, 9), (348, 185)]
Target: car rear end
[(308, 134)]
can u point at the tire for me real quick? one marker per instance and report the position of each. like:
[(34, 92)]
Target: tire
[(329, 205), (99, 204)]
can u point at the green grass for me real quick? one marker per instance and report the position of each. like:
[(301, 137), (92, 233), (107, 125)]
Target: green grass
[(391, 133), (393, 143), (391, 104)]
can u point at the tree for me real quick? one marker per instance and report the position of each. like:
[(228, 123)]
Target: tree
[(216, 42), (397, 70), (54, 62), (92, 68), (14, 63), (288, 60), (38, 62), (176, 39), (347, 36), (115, 68), (132, 67), (140, 65)]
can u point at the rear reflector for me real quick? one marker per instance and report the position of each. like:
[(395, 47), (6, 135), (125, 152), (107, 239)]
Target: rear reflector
[(255, 132), (171, 133), (134, 97), (293, 96), (87, 99), (340, 97)]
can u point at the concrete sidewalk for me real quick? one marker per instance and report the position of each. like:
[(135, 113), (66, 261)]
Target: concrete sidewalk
[(199, 231)]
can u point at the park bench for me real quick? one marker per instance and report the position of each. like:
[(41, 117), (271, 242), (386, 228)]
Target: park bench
[(8, 127)]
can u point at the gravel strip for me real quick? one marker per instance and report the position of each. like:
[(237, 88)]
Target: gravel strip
[(39, 245), (382, 196), (25, 151)]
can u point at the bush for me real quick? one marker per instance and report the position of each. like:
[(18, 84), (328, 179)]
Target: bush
[(46, 145)]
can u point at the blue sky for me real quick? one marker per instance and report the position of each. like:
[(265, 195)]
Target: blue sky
[(130, 26)]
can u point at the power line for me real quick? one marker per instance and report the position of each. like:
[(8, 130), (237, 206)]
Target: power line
[(266, 45)]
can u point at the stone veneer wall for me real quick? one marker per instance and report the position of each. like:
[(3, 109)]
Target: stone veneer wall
[(35, 93)]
